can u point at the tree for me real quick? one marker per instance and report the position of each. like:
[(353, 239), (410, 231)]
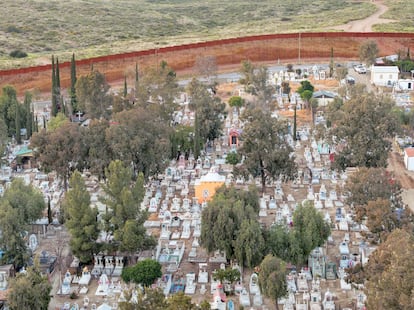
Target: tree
[(390, 273), (59, 150), (182, 141), (144, 272), (331, 63), (376, 196), (364, 131), (305, 91), (209, 111), (73, 98), (81, 219), (57, 121), (28, 114), (206, 67), (368, 52), (180, 301), (250, 237), (96, 149), (295, 244), (18, 125), (123, 199), (8, 106), (157, 90), (30, 290), (221, 223), (341, 73), (150, 299), (272, 278), (54, 109), (233, 158), (140, 138), (92, 95), (20, 206), (265, 148), (255, 82), (294, 133), (3, 137), (309, 231), (236, 102)]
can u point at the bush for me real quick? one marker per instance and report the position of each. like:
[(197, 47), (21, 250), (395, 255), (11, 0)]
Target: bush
[(18, 54), (13, 29)]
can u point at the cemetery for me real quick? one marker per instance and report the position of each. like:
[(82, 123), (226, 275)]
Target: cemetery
[(175, 202)]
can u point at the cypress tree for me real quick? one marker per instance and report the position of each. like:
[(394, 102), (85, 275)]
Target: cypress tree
[(29, 117), (34, 122), (36, 126), (136, 79), (58, 99), (54, 99), (49, 211), (17, 124), (331, 64), (73, 99), (294, 124), (125, 87)]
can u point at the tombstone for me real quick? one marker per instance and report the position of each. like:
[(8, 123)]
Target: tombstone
[(332, 195), (33, 242), (153, 207), (165, 231), (98, 265), (109, 265), (175, 207), (119, 265), (202, 273), (310, 195), (322, 192), (186, 230), (103, 286), (272, 203), (186, 204), (206, 164), (181, 162)]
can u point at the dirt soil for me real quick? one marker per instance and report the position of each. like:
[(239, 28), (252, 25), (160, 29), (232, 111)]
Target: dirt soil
[(365, 25)]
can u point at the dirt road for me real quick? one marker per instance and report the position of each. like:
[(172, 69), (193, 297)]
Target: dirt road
[(365, 25)]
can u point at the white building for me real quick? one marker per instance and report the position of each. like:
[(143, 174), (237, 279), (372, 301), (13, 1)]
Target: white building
[(404, 85), (409, 158), (384, 75)]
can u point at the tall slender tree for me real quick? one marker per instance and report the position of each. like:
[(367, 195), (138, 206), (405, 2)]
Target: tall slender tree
[(29, 114), (136, 80), (18, 124), (54, 109), (73, 99), (125, 88), (81, 219)]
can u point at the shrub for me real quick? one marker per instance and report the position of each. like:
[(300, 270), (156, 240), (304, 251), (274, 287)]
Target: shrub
[(13, 29), (18, 54)]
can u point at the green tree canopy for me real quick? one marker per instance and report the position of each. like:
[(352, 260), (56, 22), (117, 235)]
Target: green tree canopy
[(144, 272), (221, 223), (123, 197), (59, 150), (363, 133), (141, 138), (265, 148), (20, 206), (81, 219), (92, 95), (296, 243), (29, 290), (272, 278)]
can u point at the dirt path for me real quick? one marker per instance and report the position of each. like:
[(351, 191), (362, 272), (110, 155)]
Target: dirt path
[(365, 25)]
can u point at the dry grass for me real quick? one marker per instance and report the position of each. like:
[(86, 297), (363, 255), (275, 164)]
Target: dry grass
[(101, 27)]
